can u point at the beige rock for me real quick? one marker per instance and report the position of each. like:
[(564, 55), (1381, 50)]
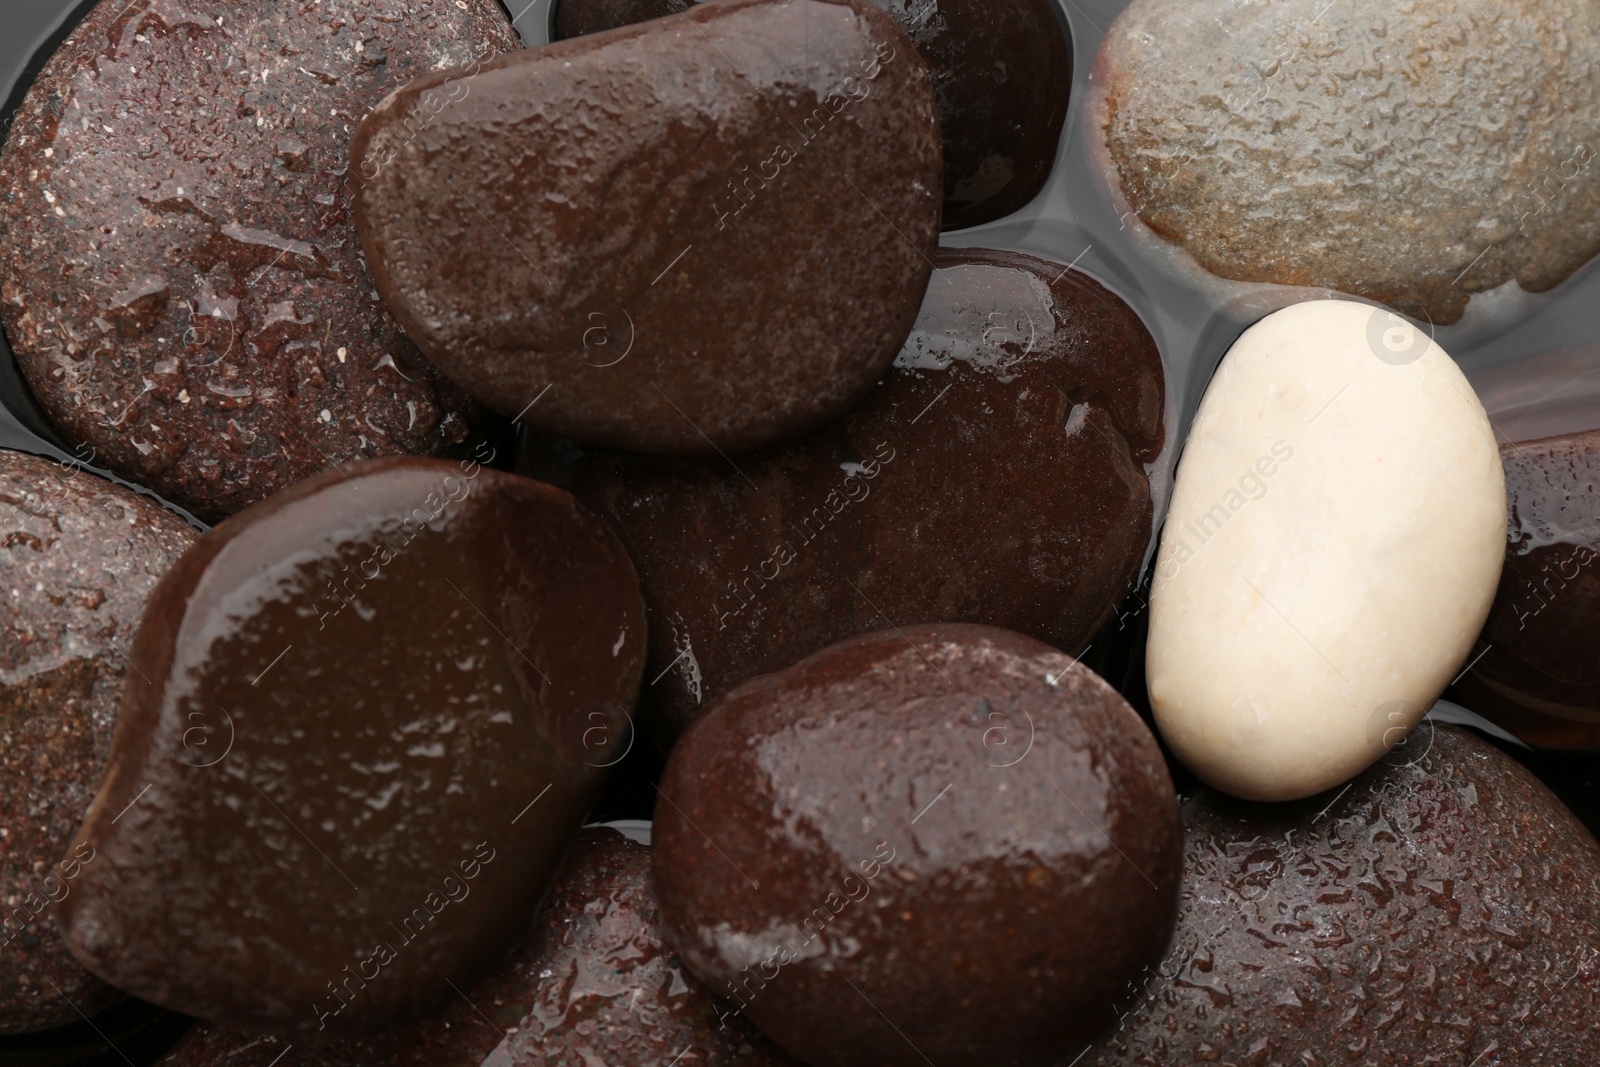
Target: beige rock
[(1409, 151), (1334, 543)]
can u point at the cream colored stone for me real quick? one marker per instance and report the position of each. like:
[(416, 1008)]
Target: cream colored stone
[(1335, 538)]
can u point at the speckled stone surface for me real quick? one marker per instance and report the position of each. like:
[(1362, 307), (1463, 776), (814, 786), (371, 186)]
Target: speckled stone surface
[(414, 675), (179, 275), (1414, 152), (698, 234), (595, 986), (1000, 474), (943, 844), (78, 556), (1535, 671), (1002, 72), (1444, 910)]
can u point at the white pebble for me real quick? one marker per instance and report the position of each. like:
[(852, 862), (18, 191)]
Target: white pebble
[(1337, 528)]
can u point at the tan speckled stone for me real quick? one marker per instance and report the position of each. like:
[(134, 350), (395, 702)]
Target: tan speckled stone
[(1413, 152)]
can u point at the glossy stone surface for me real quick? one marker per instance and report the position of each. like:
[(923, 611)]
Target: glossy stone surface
[(1333, 545), (941, 844), (579, 18), (1443, 910), (998, 475), (682, 236), (179, 275), (594, 985), (78, 557), (1536, 672), (1346, 145), (1002, 74), (379, 705), (1530, 665)]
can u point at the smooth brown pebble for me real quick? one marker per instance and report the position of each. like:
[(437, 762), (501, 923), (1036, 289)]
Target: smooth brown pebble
[(936, 844), (1002, 74), (378, 707), (594, 985), (1445, 908), (999, 475), (685, 236)]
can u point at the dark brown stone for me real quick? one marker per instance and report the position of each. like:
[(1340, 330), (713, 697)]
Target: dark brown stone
[(683, 236), (78, 557), (1533, 670), (1536, 671), (407, 675), (942, 844), (1345, 145), (595, 985), (579, 18), (1441, 910), (997, 476), (1002, 73), (179, 275)]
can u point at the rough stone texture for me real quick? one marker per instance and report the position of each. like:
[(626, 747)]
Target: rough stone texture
[(1413, 152), (943, 844), (688, 235), (595, 985), (1002, 74), (381, 703), (1443, 910), (179, 275), (999, 475), (78, 557)]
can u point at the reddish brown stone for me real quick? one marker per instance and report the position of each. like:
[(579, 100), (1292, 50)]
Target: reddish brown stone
[(1534, 670), (682, 236), (413, 675), (179, 275), (78, 557), (595, 985), (999, 475), (939, 844), (1443, 909), (1002, 73)]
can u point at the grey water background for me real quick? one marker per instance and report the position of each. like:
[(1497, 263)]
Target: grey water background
[(1193, 317)]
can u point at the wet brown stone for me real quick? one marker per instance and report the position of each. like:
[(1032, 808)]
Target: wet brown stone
[(595, 985), (1345, 146), (682, 236), (1002, 73), (179, 275), (1537, 673), (379, 705), (1445, 909), (941, 844), (1533, 669), (578, 18), (997, 476), (78, 557)]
